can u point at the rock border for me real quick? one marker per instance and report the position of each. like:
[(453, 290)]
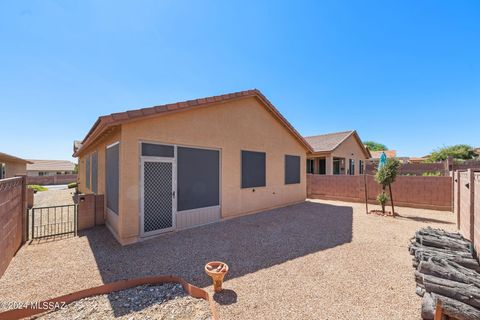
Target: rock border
[(192, 290)]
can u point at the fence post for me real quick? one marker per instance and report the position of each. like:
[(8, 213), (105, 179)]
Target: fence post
[(456, 197), (471, 195)]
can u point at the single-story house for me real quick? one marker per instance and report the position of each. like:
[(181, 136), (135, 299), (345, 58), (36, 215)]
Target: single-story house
[(337, 153), (190, 163), (11, 166), (376, 155), (50, 168)]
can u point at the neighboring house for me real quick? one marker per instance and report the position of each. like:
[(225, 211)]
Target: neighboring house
[(337, 153), (50, 168), (389, 153), (190, 163), (11, 166)]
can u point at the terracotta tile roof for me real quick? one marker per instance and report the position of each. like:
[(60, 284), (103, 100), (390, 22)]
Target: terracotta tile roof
[(114, 119), (50, 165), (389, 153), (6, 157), (328, 142)]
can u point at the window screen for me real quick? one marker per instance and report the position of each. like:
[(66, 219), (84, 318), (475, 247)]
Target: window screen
[(87, 172), (360, 166), (253, 169), (310, 165), (292, 169), (157, 150), (351, 167), (198, 178), (94, 172), (112, 177)]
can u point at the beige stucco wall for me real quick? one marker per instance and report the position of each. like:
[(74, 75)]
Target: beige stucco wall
[(13, 169), (349, 149), (231, 127), (111, 219)]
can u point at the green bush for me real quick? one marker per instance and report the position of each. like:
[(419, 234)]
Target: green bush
[(72, 185), (432, 174), (382, 198), (385, 176), (37, 187)]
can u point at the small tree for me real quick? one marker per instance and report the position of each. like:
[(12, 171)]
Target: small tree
[(458, 152), (375, 146), (385, 176)]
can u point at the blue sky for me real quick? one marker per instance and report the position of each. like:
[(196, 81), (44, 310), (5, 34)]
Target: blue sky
[(404, 73)]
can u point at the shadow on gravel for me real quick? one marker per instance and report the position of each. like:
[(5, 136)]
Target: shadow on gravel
[(423, 219), (225, 297), (247, 244)]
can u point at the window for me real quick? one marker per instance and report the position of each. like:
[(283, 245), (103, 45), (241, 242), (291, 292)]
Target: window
[(198, 174), (336, 165), (310, 165), (253, 169), (87, 172), (112, 176), (322, 166), (351, 167), (157, 150), (292, 169), (94, 172), (360, 166)]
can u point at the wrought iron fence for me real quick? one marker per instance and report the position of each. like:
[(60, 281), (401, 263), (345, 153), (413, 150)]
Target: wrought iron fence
[(53, 221)]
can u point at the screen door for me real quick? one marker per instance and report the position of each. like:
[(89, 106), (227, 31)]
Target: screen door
[(158, 195)]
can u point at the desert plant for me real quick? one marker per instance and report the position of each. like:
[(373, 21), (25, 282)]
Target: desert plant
[(432, 174), (385, 176), (72, 185), (37, 187), (382, 198)]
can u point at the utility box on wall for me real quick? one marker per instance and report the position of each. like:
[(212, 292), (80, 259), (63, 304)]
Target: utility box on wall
[(90, 211)]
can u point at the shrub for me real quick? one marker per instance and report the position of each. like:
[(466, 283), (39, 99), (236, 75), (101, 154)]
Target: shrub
[(72, 185), (385, 176), (37, 187), (432, 174), (382, 198)]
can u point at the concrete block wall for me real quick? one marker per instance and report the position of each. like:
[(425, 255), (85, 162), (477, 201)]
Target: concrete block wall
[(467, 205), (412, 191), (90, 211), (12, 219)]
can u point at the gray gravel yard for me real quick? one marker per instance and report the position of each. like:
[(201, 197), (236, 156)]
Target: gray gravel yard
[(167, 301), (315, 260)]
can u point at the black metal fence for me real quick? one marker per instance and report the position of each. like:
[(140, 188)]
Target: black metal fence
[(53, 221)]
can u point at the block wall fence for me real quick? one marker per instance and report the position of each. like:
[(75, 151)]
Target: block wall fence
[(13, 214), (410, 191), (467, 204)]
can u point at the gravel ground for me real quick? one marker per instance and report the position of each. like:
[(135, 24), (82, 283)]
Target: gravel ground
[(315, 260), (55, 197), (167, 301)]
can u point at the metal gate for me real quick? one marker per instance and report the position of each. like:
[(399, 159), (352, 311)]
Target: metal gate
[(52, 221)]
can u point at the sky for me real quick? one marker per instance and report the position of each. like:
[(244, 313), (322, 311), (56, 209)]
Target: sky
[(403, 73)]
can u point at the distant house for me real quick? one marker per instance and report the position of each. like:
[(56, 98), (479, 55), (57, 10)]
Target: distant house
[(11, 166), (337, 153), (50, 168), (376, 154)]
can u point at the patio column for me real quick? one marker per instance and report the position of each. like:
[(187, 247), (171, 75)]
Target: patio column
[(329, 164)]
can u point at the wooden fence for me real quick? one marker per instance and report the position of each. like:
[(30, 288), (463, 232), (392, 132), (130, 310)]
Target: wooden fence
[(409, 191), (13, 211), (467, 204), (52, 180)]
